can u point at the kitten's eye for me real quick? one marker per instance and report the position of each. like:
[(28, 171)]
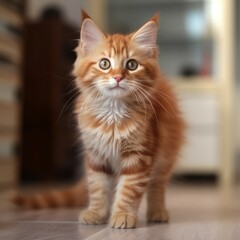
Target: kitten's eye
[(104, 64), (131, 65)]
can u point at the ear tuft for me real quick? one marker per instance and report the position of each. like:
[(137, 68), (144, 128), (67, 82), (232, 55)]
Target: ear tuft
[(84, 15), (91, 35), (155, 18), (146, 36)]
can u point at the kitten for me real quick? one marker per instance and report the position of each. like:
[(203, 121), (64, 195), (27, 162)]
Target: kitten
[(130, 125)]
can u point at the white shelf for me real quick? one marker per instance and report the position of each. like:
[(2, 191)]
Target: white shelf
[(184, 169), (184, 39), (195, 83), (142, 3)]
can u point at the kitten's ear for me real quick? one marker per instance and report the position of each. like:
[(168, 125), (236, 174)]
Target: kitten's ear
[(91, 35), (146, 36)]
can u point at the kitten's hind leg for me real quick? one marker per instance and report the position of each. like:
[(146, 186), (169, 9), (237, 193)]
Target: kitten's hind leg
[(156, 211)]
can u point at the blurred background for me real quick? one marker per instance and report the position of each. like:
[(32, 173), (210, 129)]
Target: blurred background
[(199, 44)]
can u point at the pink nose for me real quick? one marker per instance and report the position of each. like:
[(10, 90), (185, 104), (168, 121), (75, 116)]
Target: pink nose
[(118, 78)]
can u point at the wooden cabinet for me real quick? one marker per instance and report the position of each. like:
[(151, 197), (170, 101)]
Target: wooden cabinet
[(48, 129)]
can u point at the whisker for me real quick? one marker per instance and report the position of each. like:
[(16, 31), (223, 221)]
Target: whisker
[(140, 98), (155, 99), (163, 96), (65, 105), (150, 104)]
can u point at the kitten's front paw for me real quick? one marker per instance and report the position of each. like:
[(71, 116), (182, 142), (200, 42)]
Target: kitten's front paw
[(158, 216), (123, 220), (91, 217)]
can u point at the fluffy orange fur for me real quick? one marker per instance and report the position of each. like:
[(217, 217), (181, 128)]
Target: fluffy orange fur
[(130, 125)]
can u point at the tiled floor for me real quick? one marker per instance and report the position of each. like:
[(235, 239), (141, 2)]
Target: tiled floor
[(196, 213)]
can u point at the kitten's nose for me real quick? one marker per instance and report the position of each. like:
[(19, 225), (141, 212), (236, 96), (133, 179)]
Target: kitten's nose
[(118, 78)]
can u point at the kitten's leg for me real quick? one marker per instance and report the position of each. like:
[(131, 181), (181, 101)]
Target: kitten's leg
[(99, 198), (132, 184), (157, 211)]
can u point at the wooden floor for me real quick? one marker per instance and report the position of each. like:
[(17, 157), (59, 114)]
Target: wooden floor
[(204, 212)]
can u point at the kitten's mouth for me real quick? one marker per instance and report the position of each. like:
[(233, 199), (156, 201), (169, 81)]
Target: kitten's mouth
[(116, 87)]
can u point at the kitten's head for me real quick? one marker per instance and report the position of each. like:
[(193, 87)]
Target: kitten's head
[(116, 65)]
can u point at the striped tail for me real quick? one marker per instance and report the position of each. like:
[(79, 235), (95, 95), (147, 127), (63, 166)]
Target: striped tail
[(74, 197)]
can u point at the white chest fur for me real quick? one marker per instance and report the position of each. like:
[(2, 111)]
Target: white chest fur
[(107, 144), (110, 111)]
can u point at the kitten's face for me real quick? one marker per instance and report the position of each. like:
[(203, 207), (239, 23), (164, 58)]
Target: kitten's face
[(116, 66)]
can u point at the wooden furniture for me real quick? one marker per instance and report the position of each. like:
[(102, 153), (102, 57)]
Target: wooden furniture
[(48, 133), (11, 26)]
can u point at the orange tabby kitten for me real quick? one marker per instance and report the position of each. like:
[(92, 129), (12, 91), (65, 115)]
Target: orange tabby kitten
[(130, 125)]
